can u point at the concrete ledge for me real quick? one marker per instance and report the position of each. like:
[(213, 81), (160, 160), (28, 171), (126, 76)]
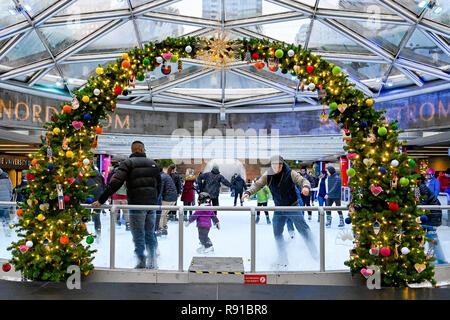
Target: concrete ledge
[(329, 278)]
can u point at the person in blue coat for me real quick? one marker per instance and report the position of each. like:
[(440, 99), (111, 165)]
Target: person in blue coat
[(432, 183)]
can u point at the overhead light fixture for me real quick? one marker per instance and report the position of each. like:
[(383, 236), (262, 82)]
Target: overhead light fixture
[(438, 10), (27, 8), (59, 84), (12, 10), (422, 4)]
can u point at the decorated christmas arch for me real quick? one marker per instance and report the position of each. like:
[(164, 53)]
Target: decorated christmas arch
[(52, 231)]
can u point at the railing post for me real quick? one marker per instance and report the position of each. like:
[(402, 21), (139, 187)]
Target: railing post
[(112, 237), (253, 240), (322, 238), (180, 238)]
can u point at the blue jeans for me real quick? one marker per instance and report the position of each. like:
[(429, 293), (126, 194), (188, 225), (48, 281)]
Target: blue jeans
[(4, 215), (438, 252), (142, 226), (289, 222), (322, 201), (280, 218)]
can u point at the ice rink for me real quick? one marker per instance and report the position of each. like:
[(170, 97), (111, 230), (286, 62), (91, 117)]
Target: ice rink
[(232, 240)]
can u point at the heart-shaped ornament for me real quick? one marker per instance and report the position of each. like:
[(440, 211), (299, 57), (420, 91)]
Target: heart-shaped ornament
[(323, 118), (167, 56), (376, 228), (77, 124), (366, 272), (376, 190), (368, 162), (420, 267), (342, 107)]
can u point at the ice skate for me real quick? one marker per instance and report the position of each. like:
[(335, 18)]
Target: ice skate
[(309, 217), (201, 249), (328, 225), (291, 234), (141, 263), (268, 220), (127, 226), (341, 222), (257, 219)]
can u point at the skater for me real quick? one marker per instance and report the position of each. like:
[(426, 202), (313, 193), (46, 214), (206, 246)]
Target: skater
[(210, 182), (143, 179), (444, 179), (434, 220), (188, 196), (98, 181), (432, 182), (120, 197), (6, 194), (334, 195), (263, 196), (307, 199), (281, 180), (169, 198), (204, 223), (172, 172), (322, 187), (239, 186)]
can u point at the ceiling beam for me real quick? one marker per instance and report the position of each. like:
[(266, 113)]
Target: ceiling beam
[(185, 20), (271, 18)]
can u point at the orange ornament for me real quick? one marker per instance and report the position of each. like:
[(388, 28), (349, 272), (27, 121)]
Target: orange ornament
[(67, 108), (126, 64), (19, 212), (99, 130), (34, 162), (64, 240)]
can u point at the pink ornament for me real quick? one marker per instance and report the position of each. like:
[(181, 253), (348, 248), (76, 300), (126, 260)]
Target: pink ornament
[(376, 190), (385, 251), (66, 198), (23, 248), (77, 124)]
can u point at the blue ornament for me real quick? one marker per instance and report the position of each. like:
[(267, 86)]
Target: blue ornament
[(424, 219), (348, 220), (363, 124), (382, 170), (87, 117), (89, 200), (46, 242), (50, 167)]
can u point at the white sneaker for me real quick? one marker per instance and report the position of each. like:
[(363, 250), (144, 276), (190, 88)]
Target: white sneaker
[(209, 249), (201, 249), (292, 234)]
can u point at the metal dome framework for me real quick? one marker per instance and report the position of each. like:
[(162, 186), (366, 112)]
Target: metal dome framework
[(44, 44)]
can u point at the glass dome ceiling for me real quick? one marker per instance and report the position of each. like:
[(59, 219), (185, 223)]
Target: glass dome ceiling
[(385, 46)]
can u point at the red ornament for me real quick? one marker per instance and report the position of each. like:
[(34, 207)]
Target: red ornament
[(255, 56), (385, 251), (126, 64), (117, 90), (30, 177), (66, 198), (6, 267), (64, 240), (393, 206), (19, 212), (99, 130), (309, 69), (67, 108)]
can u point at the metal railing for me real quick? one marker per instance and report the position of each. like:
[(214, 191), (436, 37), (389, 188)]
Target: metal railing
[(181, 209)]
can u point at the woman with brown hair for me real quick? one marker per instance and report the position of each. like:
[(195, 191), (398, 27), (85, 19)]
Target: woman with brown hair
[(188, 196)]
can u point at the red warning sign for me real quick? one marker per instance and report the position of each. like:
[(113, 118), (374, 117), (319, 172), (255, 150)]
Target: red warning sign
[(255, 279)]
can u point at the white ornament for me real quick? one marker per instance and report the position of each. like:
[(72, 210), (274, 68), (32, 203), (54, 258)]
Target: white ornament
[(159, 60), (394, 163), (29, 243), (311, 86), (405, 250), (188, 49), (291, 53), (96, 92), (86, 161)]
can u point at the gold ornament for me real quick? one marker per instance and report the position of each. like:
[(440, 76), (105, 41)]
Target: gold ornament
[(219, 50)]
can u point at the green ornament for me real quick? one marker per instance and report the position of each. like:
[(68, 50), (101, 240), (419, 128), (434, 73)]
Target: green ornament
[(140, 77), (336, 71), (279, 53), (395, 126), (404, 182), (174, 59), (333, 106), (146, 62), (382, 131), (411, 163), (351, 172), (89, 239)]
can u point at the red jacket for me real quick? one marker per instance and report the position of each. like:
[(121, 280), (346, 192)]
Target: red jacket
[(443, 180), (188, 190)]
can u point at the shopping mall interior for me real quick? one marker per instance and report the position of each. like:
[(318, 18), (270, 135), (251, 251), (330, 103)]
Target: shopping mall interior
[(358, 86)]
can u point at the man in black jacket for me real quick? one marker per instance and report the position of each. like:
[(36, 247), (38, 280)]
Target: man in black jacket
[(239, 187), (307, 199), (210, 182), (143, 188), (172, 172)]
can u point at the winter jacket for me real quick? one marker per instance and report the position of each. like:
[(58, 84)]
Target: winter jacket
[(434, 185), (210, 182), (435, 216), (177, 181), (334, 184), (188, 190), (322, 187), (22, 196), (142, 178), (311, 180), (204, 218), (6, 188), (168, 188), (444, 180), (262, 194), (281, 185), (99, 182), (238, 184)]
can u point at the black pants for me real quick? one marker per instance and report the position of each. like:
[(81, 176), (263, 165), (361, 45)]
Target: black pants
[(307, 202), (330, 203), (96, 219), (203, 236), (264, 204), (238, 195)]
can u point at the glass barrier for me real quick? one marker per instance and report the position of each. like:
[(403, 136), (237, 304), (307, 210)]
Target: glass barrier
[(7, 235), (99, 225)]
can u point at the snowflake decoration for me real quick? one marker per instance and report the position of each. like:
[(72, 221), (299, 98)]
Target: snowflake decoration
[(219, 50)]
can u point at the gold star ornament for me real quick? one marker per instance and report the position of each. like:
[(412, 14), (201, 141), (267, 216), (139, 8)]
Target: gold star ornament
[(219, 50)]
